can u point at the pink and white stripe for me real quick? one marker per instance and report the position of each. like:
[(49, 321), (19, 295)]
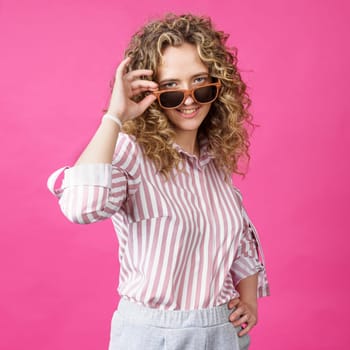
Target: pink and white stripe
[(184, 243)]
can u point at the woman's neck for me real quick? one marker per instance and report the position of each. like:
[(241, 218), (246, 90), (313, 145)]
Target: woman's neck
[(188, 142)]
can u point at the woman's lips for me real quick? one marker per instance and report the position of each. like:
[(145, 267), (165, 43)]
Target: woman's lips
[(188, 112)]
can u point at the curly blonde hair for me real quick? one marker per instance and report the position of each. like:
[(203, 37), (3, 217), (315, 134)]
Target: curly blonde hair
[(225, 126)]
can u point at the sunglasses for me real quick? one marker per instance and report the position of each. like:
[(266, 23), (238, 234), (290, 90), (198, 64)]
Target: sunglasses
[(203, 94)]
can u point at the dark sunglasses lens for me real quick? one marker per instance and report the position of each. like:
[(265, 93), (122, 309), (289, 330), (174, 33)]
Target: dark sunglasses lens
[(205, 94), (171, 99)]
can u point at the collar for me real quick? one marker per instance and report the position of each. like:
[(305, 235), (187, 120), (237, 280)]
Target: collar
[(204, 154)]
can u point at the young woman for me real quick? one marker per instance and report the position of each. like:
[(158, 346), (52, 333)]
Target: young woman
[(159, 165)]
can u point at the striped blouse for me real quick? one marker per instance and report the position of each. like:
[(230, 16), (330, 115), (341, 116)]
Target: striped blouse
[(184, 243)]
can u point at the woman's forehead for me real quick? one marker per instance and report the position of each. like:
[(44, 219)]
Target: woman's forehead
[(179, 62)]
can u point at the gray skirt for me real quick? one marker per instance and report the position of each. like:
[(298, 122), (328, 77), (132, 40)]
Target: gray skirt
[(135, 327)]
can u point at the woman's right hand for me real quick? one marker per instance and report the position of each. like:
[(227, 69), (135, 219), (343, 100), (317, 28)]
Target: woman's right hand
[(128, 85)]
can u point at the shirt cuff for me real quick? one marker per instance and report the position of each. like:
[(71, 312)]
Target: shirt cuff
[(89, 175), (248, 266)]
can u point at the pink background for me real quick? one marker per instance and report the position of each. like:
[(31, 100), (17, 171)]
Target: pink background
[(58, 280)]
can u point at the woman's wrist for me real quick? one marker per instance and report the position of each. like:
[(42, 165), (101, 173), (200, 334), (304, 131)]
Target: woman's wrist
[(114, 118)]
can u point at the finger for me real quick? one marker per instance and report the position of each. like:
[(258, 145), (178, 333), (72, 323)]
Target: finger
[(139, 91), (246, 329), (149, 85), (121, 70), (145, 103), (244, 319), (235, 315), (233, 302), (138, 73)]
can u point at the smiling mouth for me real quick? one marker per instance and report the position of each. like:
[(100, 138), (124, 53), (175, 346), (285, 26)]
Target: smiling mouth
[(188, 111)]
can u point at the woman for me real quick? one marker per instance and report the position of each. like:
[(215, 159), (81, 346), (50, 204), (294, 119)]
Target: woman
[(159, 165)]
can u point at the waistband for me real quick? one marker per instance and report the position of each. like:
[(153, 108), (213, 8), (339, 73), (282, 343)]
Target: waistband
[(140, 314)]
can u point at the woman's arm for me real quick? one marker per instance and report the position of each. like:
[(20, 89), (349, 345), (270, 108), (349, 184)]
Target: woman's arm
[(93, 192), (102, 145), (126, 86), (246, 312), (107, 171), (249, 276)]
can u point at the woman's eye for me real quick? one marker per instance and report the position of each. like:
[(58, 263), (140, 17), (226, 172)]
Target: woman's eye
[(200, 80), (170, 85)]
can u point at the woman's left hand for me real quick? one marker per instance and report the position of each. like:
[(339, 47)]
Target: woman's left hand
[(245, 315)]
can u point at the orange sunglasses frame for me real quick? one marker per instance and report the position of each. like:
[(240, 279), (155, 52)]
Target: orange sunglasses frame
[(187, 93)]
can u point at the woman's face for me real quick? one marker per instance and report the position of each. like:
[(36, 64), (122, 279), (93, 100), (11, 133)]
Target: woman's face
[(182, 68)]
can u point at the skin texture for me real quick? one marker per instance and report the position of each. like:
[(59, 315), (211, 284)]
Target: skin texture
[(246, 312), (126, 85), (181, 68)]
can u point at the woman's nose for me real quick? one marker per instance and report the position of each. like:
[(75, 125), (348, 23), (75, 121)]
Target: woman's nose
[(188, 101)]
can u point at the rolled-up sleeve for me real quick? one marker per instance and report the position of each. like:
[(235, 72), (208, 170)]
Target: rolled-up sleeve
[(250, 258), (94, 192)]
